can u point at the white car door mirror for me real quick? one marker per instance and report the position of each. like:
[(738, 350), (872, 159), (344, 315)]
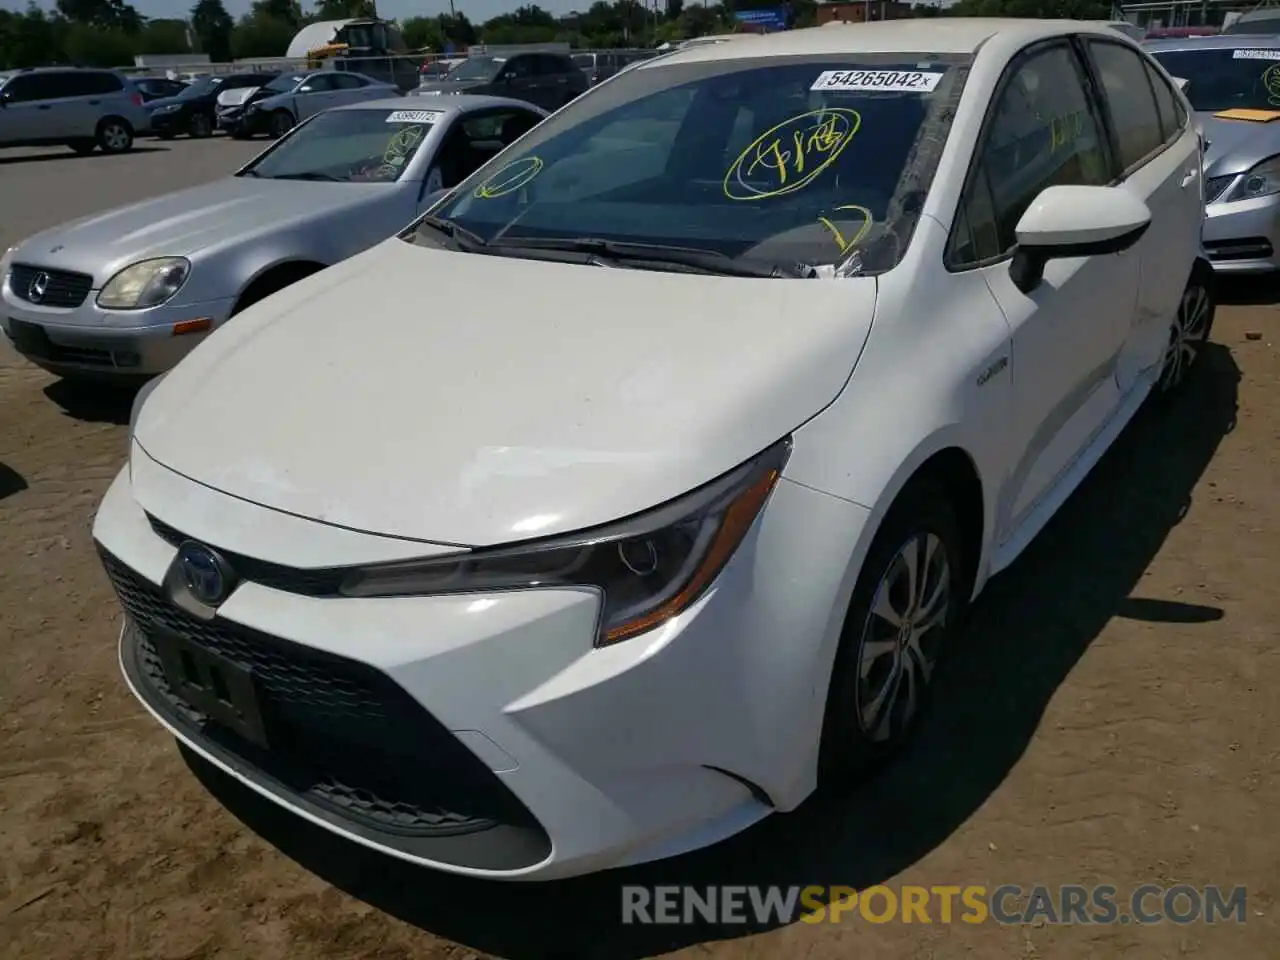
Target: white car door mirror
[(1075, 221), (1182, 83)]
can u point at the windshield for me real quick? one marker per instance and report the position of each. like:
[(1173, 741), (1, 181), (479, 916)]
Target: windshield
[(284, 83), (801, 160), (349, 146), (477, 68), (201, 87), (1222, 79)]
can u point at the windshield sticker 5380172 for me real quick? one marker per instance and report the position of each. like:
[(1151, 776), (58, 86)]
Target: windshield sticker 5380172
[(1255, 54), (791, 155), (414, 116), (881, 81)]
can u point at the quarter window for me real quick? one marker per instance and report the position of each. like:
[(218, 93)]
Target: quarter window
[(1043, 132), (1132, 102)]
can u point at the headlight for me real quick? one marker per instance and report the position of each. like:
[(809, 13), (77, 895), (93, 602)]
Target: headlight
[(147, 283), (649, 568), (168, 108), (1262, 181)]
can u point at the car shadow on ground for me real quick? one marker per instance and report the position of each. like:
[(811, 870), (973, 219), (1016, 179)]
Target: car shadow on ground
[(92, 401), (11, 481), (1249, 291), (1033, 624), (70, 155)]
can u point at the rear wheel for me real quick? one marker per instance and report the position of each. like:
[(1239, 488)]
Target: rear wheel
[(114, 135), (281, 123), (1189, 331), (902, 617)]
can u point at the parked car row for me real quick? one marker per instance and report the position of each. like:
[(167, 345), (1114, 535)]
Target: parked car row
[(638, 487)]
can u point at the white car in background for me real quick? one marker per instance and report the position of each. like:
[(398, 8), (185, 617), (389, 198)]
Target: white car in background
[(521, 591)]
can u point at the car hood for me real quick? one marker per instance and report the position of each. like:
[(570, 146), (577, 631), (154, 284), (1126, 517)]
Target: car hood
[(236, 97), (182, 224), (543, 398), (1237, 145)]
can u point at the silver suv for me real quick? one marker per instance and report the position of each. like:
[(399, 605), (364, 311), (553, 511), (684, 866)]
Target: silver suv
[(63, 105)]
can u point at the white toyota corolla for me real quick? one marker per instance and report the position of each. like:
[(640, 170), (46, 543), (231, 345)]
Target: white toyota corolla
[(636, 490)]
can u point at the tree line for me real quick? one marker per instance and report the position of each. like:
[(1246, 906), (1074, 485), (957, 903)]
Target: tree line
[(111, 32)]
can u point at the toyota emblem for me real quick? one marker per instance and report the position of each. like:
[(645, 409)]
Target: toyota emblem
[(205, 573), (38, 287)]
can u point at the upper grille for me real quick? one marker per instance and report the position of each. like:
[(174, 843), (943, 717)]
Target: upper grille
[(323, 582), (343, 734), (65, 289), (1215, 186)]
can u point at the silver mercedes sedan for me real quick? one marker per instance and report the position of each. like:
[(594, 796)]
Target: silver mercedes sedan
[(127, 293)]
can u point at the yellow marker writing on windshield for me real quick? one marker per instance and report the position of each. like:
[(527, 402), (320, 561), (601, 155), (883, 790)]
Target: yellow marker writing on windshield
[(791, 155), (509, 179), (868, 218), (1271, 80)]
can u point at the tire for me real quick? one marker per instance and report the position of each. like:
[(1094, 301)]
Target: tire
[(200, 127), (869, 719), (281, 122), (83, 147), (114, 135), (1189, 331)]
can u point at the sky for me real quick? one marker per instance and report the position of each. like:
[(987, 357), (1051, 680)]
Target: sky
[(477, 10)]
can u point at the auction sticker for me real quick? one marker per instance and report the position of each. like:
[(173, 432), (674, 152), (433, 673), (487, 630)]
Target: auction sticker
[(1255, 54), (414, 116), (887, 81)]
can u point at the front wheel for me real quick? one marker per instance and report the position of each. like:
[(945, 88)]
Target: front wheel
[(281, 123), (902, 616), (1189, 331), (201, 127)]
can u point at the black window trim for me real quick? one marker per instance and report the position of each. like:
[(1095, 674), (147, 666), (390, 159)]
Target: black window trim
[(1093, 100), (1113, 135), (1180, 117)]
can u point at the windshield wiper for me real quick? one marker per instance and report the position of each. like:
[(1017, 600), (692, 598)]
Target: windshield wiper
[(310, 175), (461, 236), (703, 261)]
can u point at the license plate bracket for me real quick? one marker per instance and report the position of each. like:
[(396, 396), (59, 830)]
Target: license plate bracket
[(217, 687)]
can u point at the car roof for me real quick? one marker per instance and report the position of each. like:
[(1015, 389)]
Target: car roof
[(1231, 41), (459, 103), (959, 35)]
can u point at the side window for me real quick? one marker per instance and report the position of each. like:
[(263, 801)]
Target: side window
[(344, 81), (1133, 104), (1172, 119), (101, 83), (558, 66), (317, 84), (1042, 132), (518, 67), (24, 89)]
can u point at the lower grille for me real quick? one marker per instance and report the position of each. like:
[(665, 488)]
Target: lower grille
[(343, 735), (61, 288), (1242, 248)]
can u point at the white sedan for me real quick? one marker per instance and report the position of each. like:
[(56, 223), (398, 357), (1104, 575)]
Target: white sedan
[(635, 490)]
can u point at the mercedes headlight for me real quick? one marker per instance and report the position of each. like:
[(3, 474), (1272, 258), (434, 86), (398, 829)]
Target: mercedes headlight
[(1262, 181), (648, 568), (147, 283)]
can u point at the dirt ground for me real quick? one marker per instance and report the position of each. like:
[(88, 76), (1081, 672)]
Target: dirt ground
[(1111, 716)]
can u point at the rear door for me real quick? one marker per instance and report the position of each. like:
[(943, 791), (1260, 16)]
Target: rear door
[(350, 89), (26, 110), (1159, 153)]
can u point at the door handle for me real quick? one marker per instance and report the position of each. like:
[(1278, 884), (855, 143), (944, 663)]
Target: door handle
[(1189, 178)]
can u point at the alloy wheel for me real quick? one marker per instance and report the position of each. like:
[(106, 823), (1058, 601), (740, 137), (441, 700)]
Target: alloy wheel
[(115, 137), (898, 647), (1187, 335)]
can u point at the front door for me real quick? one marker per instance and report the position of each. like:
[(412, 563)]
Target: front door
[(318, 93), (1046, 130), (1159, 151)]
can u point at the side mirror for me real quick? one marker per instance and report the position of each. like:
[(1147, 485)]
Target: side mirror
[(1182, 83), (1075, 221)]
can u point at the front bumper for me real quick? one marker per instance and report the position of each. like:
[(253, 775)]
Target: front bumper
[(243, 122), (482, 734), (1243, 236), (88, 341)]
